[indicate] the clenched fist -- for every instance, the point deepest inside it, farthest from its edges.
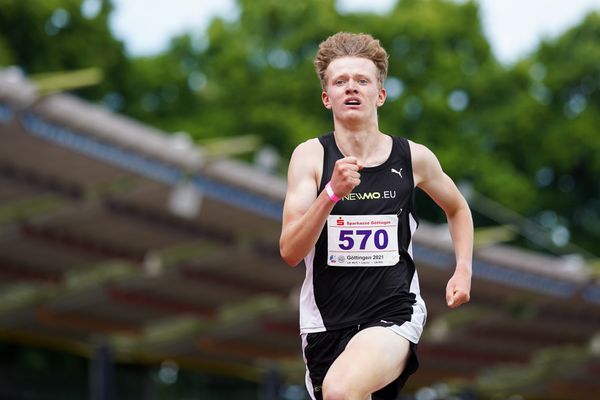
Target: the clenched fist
(458, 290)
(345, 176)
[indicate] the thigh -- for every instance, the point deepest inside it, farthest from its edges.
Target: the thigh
(320, 351)
(373, 358)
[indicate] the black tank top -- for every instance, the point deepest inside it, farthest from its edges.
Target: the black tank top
(338, 297)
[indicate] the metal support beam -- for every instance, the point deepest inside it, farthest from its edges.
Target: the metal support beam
(102, 374)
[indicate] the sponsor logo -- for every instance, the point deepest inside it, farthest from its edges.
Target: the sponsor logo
(386, 194)
(340, 221)
(395, 171)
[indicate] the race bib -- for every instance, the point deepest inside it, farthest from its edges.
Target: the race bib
(362, 240)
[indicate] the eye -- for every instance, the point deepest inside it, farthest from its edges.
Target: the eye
(339, 82)
(363, 81)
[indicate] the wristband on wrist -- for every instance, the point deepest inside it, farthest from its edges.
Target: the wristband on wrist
(332, 196)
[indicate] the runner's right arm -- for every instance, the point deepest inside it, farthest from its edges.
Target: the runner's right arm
(304, 214)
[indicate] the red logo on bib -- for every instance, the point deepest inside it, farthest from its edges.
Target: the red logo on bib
(340, 221)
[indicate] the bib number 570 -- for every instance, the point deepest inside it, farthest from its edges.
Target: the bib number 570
(347, 238)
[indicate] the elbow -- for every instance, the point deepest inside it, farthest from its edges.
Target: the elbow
(291, 262)
(287, 257)
(467, 211)
(460, 209)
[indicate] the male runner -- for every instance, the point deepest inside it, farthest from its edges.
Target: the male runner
(349, 214)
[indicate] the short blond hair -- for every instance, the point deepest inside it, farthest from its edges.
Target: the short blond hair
(345, 44)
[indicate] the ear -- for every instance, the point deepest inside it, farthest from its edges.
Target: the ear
(381, 97)
(325, 100)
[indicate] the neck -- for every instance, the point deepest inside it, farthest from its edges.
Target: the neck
(370, 147)
(356, 128)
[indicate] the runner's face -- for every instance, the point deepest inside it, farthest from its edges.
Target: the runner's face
(352, 89)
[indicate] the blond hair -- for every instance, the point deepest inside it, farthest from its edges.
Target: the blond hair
(345, 44)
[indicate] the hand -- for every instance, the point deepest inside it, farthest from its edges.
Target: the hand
(345, 176)
(458, 289)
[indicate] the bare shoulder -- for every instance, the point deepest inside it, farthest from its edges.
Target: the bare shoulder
(306, 160)
(424, 162)
(420, 153)
(309, 149)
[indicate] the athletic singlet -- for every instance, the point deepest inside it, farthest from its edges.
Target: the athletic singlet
(336, 297)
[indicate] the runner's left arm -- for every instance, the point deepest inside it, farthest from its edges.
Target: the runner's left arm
(430, 177)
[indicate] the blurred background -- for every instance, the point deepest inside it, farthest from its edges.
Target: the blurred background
(142, 179)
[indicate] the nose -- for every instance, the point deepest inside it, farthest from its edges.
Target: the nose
(351, 87)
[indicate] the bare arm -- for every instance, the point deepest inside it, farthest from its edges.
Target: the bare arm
(305, 213)
(430, 177)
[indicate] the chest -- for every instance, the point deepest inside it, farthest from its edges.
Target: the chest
(385, 190)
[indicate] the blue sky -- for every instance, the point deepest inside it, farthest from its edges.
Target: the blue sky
(514, 27)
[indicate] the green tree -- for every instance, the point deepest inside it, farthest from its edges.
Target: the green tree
(545, 124)
(63, 35)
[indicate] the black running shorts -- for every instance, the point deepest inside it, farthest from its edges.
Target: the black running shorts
(322, 348)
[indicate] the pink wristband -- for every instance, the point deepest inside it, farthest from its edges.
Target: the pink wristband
(329, 190)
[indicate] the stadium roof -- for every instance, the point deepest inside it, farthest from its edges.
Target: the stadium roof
(113, 231)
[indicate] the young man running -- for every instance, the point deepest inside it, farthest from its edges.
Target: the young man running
(349, 215)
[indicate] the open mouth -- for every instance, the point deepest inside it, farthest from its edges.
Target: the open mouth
(352, 102)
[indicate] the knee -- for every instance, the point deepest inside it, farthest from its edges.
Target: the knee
(337, 391)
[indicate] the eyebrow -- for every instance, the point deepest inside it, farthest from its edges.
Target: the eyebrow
(345, 75)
